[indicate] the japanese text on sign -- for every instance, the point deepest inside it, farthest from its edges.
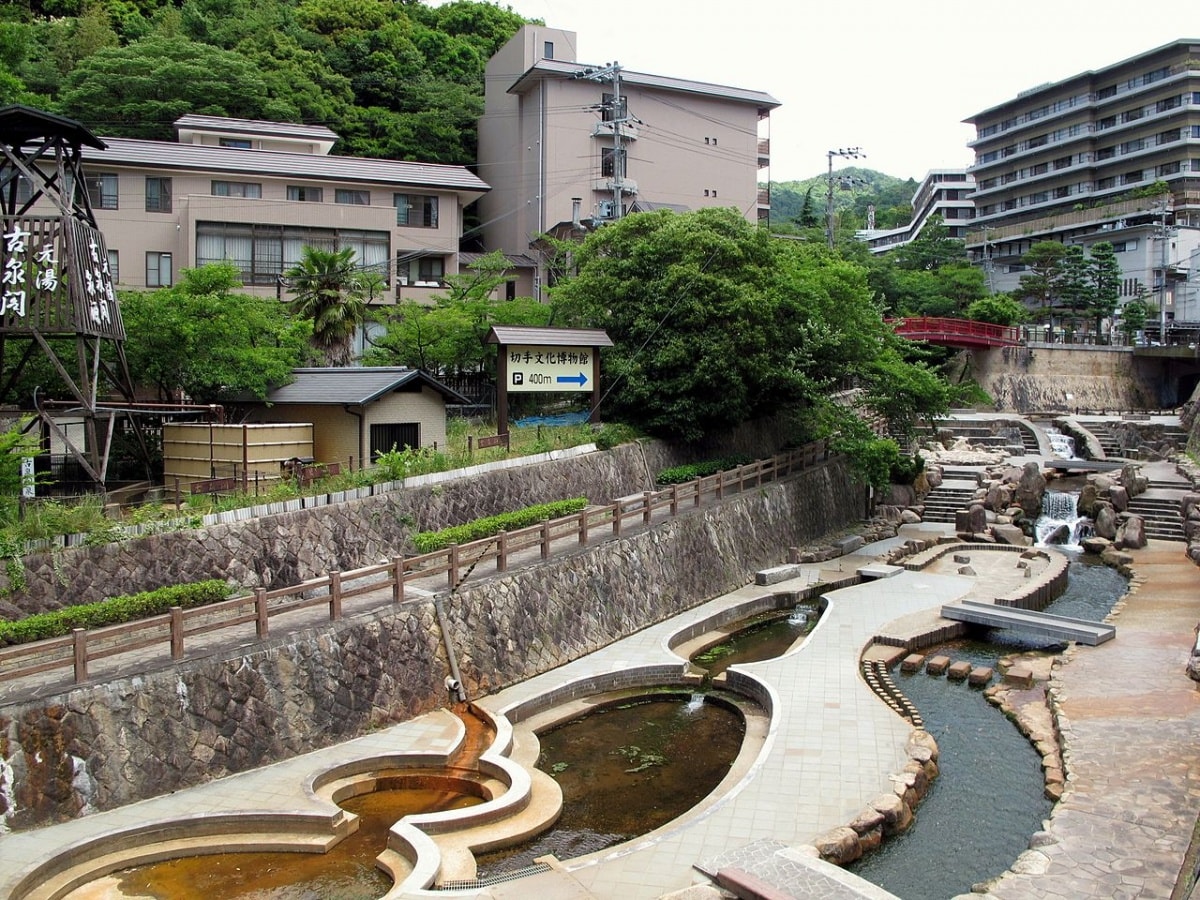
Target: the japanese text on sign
(549, 368)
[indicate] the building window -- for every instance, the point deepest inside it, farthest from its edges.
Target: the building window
(1171, 168)
(235, 143)
(612, 163)
(305, 193)
(1132, 115)
(1063, 162)
(158, 269)
(114, 266)
(1039, 141)
(1105, 92)
(1157, 75)
(1039, 169)
(424, 270)
(263, 252)
(1169, 103)
(158, 194)
(1039, 197)
(1106, 153)
(1124, 246)
(548, 50)
(1132, 177)
(1061, 192)
(102, 190)
(236, 189)
(354, 198)
(390, 436)
(1167, 137)
(1104, 184)
(416, 210)
(1133, 146)
(1106, 122)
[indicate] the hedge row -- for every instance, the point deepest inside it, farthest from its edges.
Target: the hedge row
(428, 541)
(112, 611)
(692, 471)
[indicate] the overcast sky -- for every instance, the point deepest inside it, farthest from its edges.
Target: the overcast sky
(894, 77)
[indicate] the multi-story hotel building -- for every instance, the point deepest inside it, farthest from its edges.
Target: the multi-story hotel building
(1106, 155)
(254, 193)
(564, 143)
(944, 193)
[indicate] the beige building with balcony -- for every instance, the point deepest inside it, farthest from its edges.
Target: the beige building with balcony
(570, 146)
(254, 193)
(1075, 161)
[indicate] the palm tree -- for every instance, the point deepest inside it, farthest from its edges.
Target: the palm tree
(328, 290)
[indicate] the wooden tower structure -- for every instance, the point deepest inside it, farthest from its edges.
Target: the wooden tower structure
(56, 292)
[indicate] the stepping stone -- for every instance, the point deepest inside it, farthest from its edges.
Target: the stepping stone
(912, 663)
(1021, 676)
(938, 665)
(958, 671)
(980, 676)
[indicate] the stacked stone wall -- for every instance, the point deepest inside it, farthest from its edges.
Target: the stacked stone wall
(1063, 379)
(104, 745)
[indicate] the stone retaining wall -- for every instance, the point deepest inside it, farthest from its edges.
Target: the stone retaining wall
(278, 550)
(104, 745)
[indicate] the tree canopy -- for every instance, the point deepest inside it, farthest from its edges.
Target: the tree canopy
(396, 80)
(205, 341)
(715, 323)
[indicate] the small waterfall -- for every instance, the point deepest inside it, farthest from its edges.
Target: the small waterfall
(799, 616)
(694, 704)
(1061, 445)
(1059, 522)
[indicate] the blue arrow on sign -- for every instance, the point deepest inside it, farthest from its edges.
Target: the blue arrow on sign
(579, 379)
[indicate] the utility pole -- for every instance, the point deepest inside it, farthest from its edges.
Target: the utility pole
(1164, 237)
(848, 153)
(618, 117)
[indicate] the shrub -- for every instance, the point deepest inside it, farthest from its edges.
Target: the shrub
(610, 436)
(906, 469)
(113, 611)
(428, 541)
(692, 471)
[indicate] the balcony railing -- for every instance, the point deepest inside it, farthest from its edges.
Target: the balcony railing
(1049, 224)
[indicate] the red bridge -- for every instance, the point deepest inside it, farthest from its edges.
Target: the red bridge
(957, 332)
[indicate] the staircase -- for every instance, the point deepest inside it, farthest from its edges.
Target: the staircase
(1160, 514)
(948, 498)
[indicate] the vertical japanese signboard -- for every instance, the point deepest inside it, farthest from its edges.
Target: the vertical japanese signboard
(46, 287)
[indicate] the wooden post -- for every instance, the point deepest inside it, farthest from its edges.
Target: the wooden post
(647, 507)
(451, 565)
(398, 578)
(583, 527)
(545, 538)
(720, 476)
(261, 625)
(697, 487)
(674, 500)
(176, 632)
(617, 516)
(502, 552)
(80, 653)
(335, 595)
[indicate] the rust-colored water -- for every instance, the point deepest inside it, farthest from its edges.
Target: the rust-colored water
(347, 872)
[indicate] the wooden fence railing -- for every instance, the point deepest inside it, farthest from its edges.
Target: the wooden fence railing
(172, 630)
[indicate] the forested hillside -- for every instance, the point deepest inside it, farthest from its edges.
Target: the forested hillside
(399, 80)
(801, 204)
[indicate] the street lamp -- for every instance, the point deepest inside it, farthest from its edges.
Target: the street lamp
(846, 153)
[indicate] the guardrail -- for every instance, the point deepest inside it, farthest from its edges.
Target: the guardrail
(174, 629)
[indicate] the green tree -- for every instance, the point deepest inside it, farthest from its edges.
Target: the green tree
(1043, 284)
(205, 341)
(1106, 283)
(999, 309)
(447, 338)
(931, 249)
(328, 290)
(1134, 316)
(140, 90)
(1075, 288)
(715, 323)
